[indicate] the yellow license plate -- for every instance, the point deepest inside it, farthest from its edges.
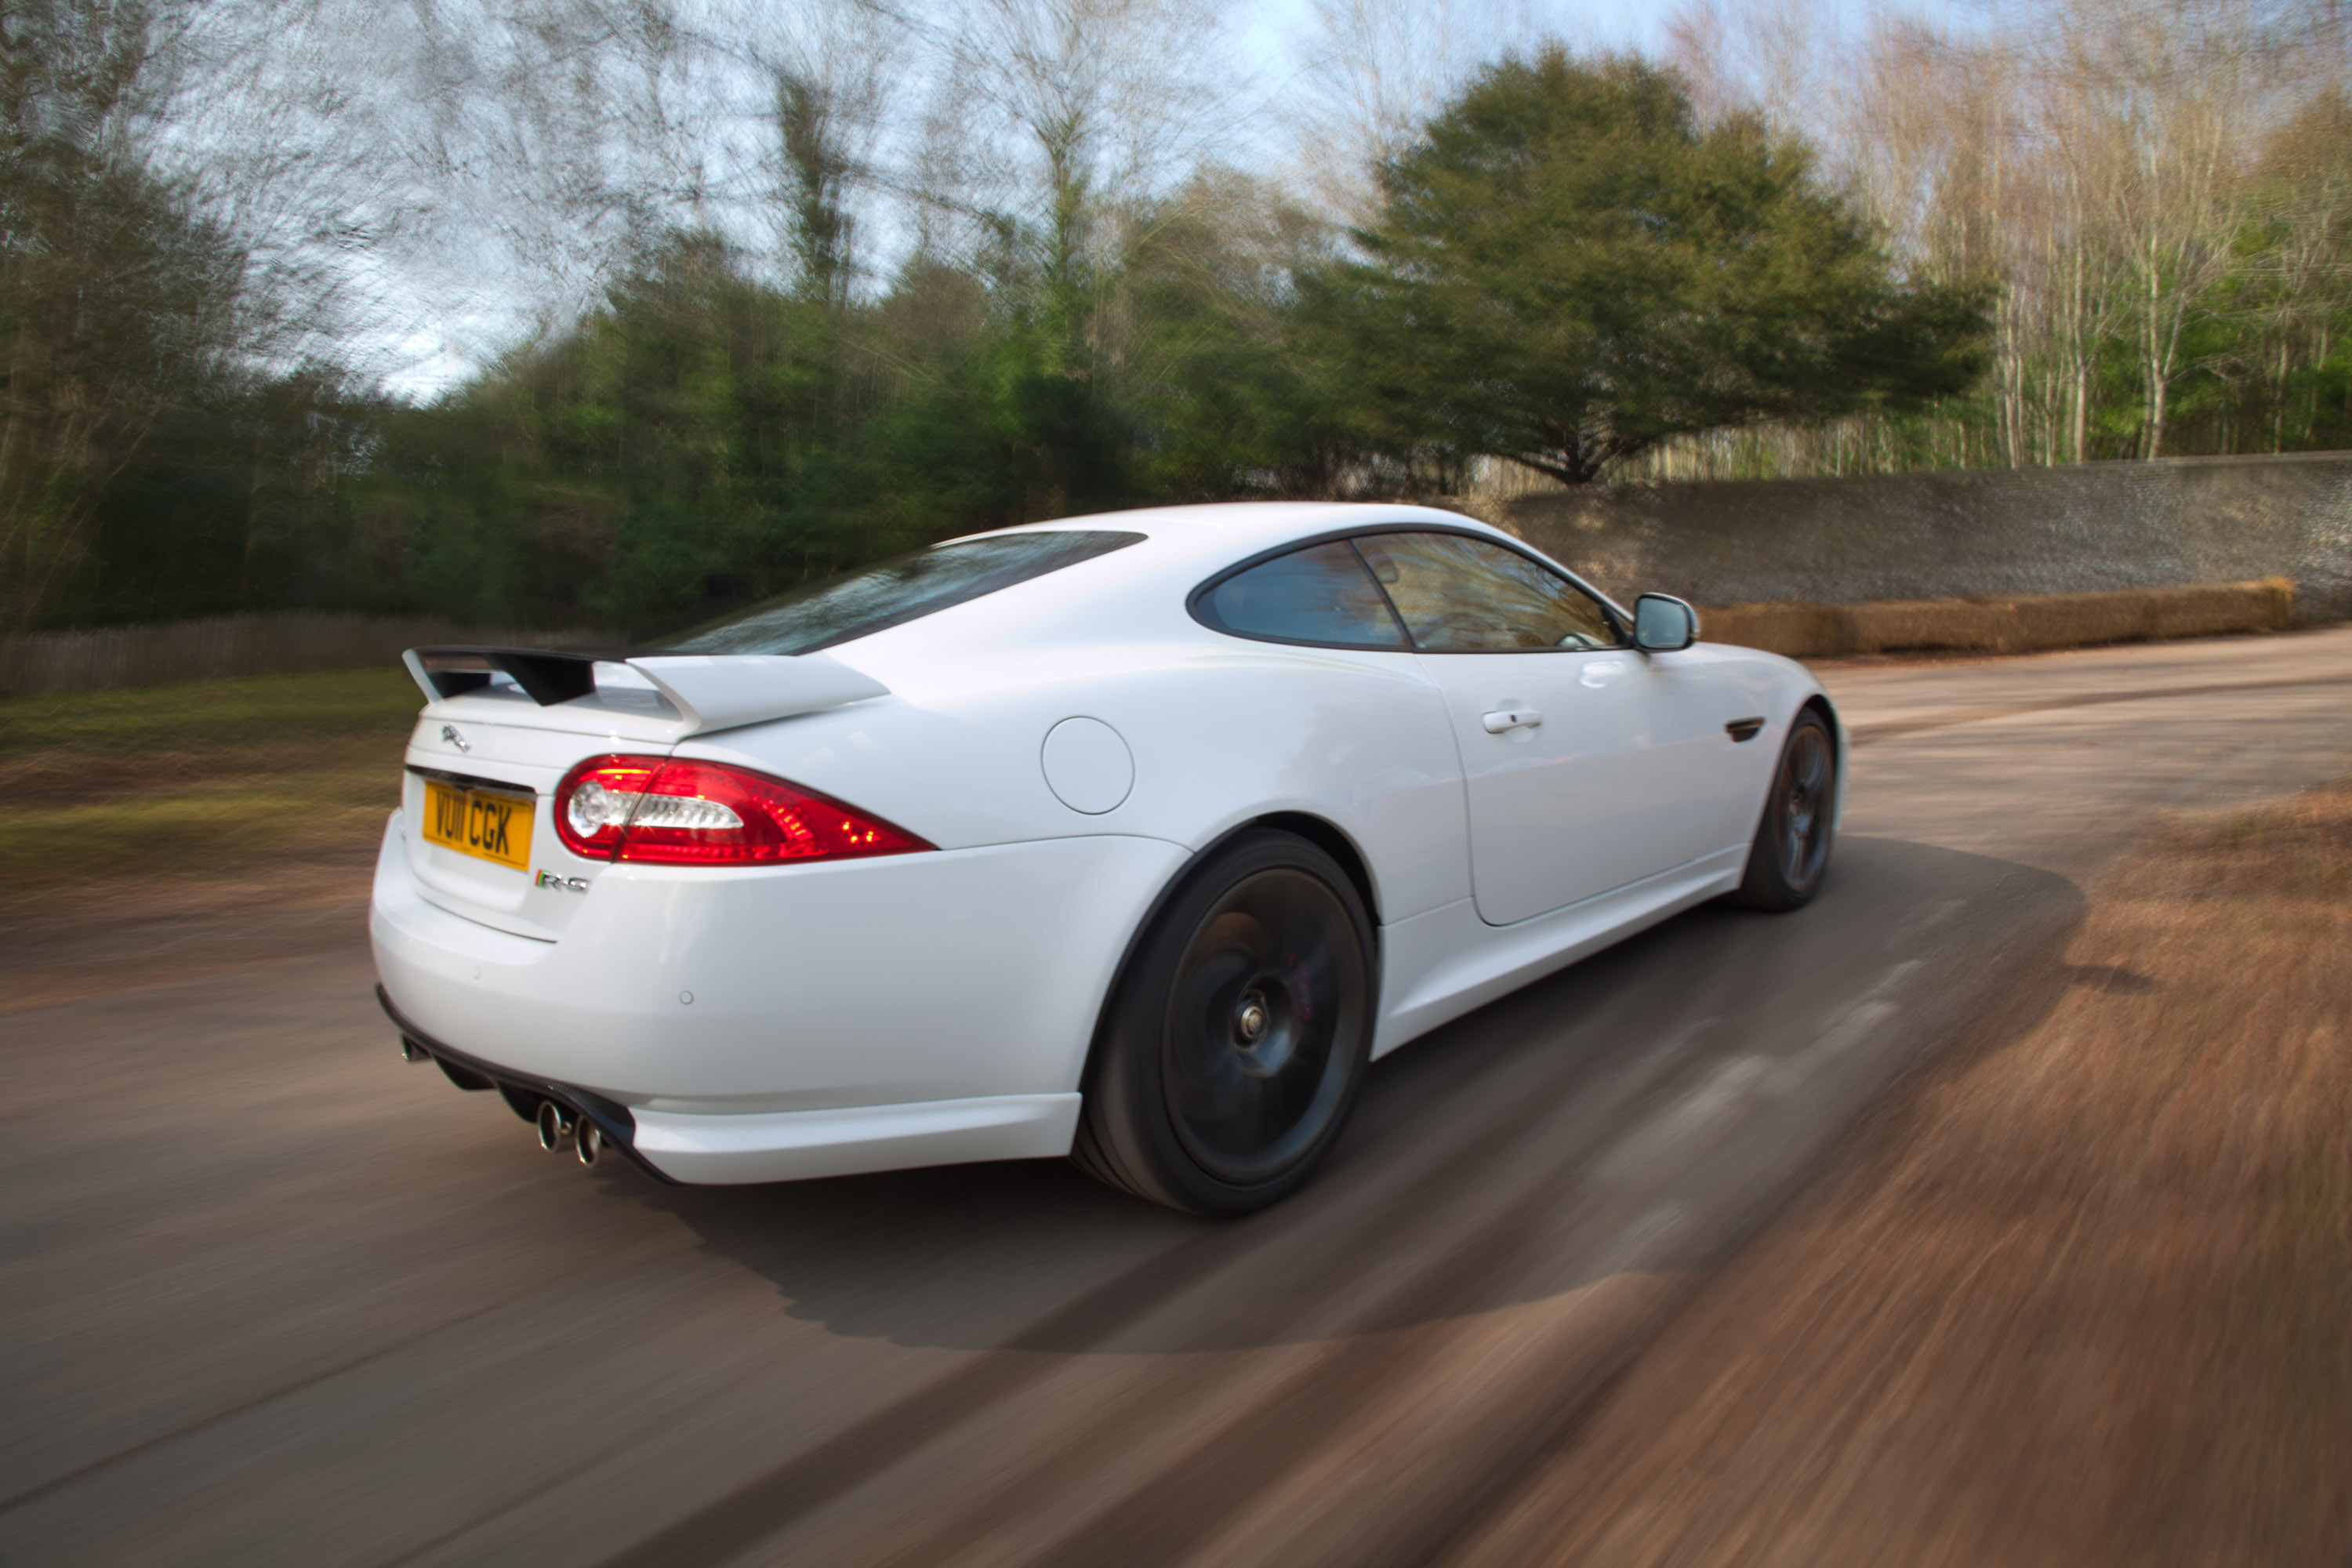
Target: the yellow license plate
(479, 822)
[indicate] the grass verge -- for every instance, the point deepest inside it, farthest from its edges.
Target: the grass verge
(2081, 1301)
(116, 791)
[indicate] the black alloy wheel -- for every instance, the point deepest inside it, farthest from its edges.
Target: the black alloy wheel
(1234, 1048)
(1791, 852)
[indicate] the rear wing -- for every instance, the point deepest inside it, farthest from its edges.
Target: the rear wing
(711, 691)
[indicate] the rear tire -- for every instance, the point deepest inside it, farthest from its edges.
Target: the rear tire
(1235, 1044)
(1791, 852)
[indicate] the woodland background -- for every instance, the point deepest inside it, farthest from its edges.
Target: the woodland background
(623, 312)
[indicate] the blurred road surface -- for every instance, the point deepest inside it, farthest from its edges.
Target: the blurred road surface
(268, 1295)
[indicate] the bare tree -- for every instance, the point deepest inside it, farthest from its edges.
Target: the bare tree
(2098, 158)
(537, 147)
(1373, 71)
(831, 71)
(155, 244)
(819, 170)
(2300, 274)
(1097, 103)
(2173, 93)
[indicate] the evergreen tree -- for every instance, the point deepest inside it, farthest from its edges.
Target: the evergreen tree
(1568, 268)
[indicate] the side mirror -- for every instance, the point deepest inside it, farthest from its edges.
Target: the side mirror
(1662, 624)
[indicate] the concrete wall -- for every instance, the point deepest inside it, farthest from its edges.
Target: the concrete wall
(1963, 533)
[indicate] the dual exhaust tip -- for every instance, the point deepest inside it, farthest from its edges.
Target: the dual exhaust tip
(558, 1126)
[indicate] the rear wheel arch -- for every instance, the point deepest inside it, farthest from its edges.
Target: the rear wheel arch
(1333, 840)
(1098, 1152)
(1324, 834)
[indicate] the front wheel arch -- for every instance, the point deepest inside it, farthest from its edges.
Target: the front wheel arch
(1798, 819)
(1840, 751)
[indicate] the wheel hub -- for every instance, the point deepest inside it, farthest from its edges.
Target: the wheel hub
(1264, 1035)
(1250, 1017)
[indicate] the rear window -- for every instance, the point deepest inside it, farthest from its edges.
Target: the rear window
(1322, 594)
(894, 592)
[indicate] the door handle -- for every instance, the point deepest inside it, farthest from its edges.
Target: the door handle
(1504, 718)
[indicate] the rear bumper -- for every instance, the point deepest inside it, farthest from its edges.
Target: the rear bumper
(793, 1145)
(785, 1146)
(612, 1119)
(864, 1015)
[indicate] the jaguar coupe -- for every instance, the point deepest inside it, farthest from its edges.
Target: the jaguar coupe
(1134, 838)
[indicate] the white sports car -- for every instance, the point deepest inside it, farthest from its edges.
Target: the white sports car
(1133, 837)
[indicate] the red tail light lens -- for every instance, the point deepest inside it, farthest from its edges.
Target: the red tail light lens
(663, 811)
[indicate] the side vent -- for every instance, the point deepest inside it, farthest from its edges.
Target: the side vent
(1744, 729)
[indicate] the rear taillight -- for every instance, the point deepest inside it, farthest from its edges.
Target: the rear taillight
(666, 811)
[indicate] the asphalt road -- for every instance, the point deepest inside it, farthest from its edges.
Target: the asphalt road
(269, 1295)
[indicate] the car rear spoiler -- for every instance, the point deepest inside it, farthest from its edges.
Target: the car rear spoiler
(711, 691)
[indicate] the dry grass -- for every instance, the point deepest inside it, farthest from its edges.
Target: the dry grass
(2086, 1298)
(117, 790)
(159, 832)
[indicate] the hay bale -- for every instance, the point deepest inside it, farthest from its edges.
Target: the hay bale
(1929, 624)
(2021, 623)
(2206, 609)
(2075, 620)
(1799, 631)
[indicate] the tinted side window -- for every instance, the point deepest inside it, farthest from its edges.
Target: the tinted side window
(901, 589)
(1319, 594)
(1465, 596)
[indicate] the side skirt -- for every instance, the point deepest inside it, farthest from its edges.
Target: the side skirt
(1447, 962)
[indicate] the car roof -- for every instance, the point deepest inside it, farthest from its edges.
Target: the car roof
(1126, 594)
(1231, 531)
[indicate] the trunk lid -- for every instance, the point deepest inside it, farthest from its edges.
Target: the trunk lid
(502, 726)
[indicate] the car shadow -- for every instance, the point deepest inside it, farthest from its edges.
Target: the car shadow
(1642, 1110)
